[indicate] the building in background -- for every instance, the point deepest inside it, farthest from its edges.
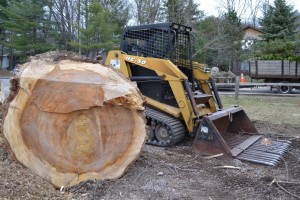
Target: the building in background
(251, 36)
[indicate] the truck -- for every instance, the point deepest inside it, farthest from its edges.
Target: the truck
(277, 71)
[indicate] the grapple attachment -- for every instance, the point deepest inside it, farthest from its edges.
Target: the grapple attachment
(231, 132)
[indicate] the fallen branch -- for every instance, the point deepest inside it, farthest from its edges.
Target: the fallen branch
(226, 167)
(286, 168)
(288, 182)
(174, 172)
(284, 137)
(179, 167)
(274, 180)
(214, 156)
(296, 156)
(182, 169)
(286, 190)
(140, 174)
(285, 182)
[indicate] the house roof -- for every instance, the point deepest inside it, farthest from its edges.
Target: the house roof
(252, 33)
(251, 27)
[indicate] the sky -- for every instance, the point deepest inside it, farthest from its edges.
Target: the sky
(210, 7)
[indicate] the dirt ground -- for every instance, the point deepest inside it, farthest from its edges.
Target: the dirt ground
(177, 172)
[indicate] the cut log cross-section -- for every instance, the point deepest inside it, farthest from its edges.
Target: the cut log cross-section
(71, 121)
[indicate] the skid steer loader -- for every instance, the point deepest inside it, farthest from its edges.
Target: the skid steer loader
(181, 97)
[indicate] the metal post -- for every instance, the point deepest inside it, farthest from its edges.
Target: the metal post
(191, 97)
(216, 94)
(296, 70)
(256, 68)
(237, 87)
(191, 62)
(282, 68)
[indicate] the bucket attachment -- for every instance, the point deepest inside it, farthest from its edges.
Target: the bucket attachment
(231, 132)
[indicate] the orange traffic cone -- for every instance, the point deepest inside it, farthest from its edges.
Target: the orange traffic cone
(242, 78)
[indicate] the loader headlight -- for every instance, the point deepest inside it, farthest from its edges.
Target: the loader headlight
(175, 26)
(188, 29)
(204, 129)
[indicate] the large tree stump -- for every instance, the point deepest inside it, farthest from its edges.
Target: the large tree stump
(71, 121)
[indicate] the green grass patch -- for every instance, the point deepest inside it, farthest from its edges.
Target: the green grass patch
(276, 110)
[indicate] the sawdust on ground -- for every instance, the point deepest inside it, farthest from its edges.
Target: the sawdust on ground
(167, 173)
(171, 173)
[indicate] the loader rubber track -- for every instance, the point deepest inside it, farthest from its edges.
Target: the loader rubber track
(175, 127)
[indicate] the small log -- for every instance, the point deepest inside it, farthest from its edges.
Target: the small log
(70, 120)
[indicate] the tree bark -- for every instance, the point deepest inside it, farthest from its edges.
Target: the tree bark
(70, 120)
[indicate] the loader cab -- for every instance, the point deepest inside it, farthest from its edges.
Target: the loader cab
(168, 41)
(165, 41)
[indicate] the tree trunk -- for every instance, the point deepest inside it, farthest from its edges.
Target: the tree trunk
(69, 120)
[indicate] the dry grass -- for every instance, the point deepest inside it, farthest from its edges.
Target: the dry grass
(275, 110)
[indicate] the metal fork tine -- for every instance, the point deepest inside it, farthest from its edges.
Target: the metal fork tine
(265, 154)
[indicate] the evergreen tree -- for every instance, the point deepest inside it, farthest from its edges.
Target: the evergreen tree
(101, 32)
(147, 11)
(207, 37)
(174, 10)
(232, 37)
(219, 41)
(118, 14)
(279, 21)
(192, 13)
(280, 36)
(3, 4)
(25, 27)
(183, 12)
(3, 18)
(279, 50)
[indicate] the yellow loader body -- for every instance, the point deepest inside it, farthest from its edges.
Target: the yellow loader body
(181, 98)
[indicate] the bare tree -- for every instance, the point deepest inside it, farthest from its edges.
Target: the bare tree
(64, 14)
(239, 6)
(147, 11)
(255, 6)
(247, 10)
(192, 13)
